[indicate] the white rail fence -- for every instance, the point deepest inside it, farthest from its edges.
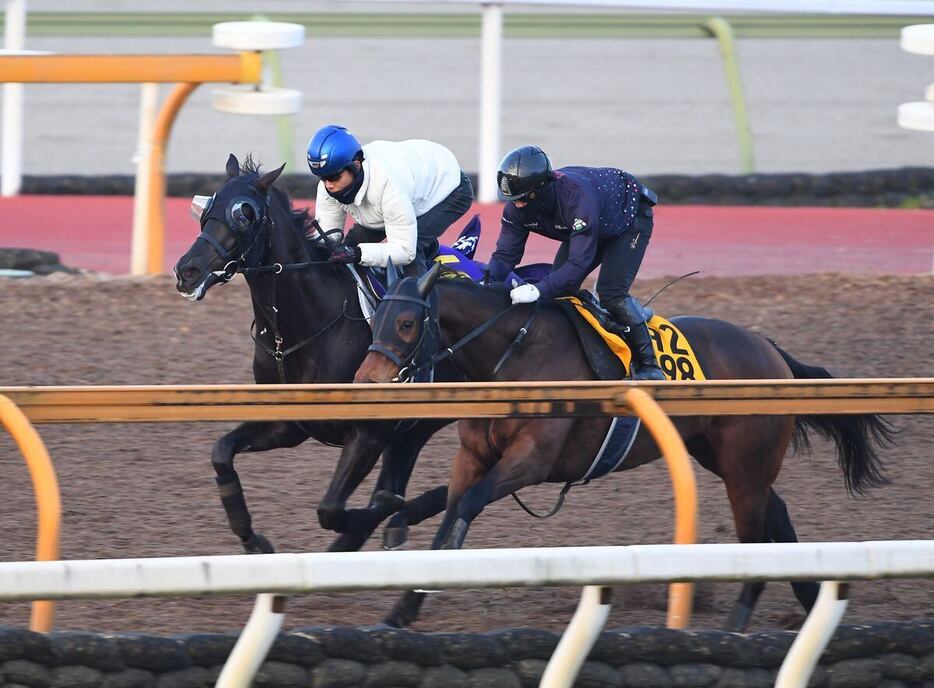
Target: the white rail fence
(491, 50)
(274, 575)
(492, 37)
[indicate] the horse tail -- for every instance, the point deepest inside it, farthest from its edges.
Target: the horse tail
(857, 436)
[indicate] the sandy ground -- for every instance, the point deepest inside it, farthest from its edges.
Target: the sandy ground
(148, 490)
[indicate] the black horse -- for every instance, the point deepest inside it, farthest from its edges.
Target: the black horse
(309, 328)
(499, 457)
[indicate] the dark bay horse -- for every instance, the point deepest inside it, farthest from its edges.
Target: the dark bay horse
(499, 457)
(309, 328)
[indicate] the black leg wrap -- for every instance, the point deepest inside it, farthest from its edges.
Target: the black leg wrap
(427, 505)
(235, 506)
(405, 610)
(360, 521)
(348, 542)
(738, 619)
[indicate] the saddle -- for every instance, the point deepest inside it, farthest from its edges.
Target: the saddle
(609, 355)
(457, 259)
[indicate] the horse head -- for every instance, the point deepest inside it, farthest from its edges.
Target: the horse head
(235, 223)
(399, 327)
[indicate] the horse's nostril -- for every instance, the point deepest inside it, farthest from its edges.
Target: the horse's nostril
(188, 274)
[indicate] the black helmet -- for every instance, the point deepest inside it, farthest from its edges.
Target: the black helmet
(524, 169)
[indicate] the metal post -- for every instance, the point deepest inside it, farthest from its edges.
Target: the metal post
(490, 70)
(814, 635)
(581, 634)
(723, 32)
(254, 643)
(149, 95)
(12, 139)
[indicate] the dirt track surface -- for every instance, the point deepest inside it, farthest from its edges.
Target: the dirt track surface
(148, 490)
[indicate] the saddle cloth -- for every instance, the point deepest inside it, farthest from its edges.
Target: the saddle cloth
(609, 355)
(610, 359)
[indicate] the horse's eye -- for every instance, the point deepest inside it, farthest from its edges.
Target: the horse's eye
(243, 214)
(406, 325)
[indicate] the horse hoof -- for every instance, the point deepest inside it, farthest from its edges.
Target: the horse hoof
(395, 537)
(392, 622)
(388, 500)
(738, 619)
(258, 544)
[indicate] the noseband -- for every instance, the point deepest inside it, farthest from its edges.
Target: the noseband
(408, 370)
(232, 266)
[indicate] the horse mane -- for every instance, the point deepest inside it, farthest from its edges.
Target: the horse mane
(282, 212)
(497, 294)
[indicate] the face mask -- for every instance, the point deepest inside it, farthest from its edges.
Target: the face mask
(347, 194)
(542, 203)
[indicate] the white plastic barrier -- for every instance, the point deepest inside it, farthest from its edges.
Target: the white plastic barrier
(533, 567)
(918, 39)
(525, 567)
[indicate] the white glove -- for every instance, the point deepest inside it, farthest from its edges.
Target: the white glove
(524, 293)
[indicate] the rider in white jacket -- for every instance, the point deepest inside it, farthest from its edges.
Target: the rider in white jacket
(408, 192)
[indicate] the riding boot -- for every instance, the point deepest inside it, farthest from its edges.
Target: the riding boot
(643, 355)
(629, 313)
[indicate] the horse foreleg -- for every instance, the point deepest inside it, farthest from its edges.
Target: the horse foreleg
(779, 529)
(398, 463)
(414, 512)
(407, 607)
(527, 460)
(398, 460)
(247, 437)
(466, 470)
(360, 453)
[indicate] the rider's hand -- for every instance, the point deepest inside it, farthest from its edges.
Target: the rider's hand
(524, 293)
(345, 253)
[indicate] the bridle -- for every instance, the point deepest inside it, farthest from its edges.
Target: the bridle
(261, 225)
(242, 226)
(409, 369)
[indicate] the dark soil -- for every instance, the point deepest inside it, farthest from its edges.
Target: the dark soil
(148, 489)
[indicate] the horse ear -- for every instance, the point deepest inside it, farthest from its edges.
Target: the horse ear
(390, 274)
(427, 281)
(269, 179)
(233, 167)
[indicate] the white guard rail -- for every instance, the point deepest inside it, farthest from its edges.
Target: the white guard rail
(531, 567)
(520, 567)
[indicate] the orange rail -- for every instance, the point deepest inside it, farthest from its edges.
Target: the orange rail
(244, 67)
(156, 197)
(48, 500)
(680, 595)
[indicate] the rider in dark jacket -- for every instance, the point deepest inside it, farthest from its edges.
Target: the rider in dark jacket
(601, 215)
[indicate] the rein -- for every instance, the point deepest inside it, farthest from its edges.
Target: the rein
(277, 268)
(555, 509)
(278, 354)
(267, 226)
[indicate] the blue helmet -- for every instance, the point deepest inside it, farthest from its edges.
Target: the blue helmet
(331, 149)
